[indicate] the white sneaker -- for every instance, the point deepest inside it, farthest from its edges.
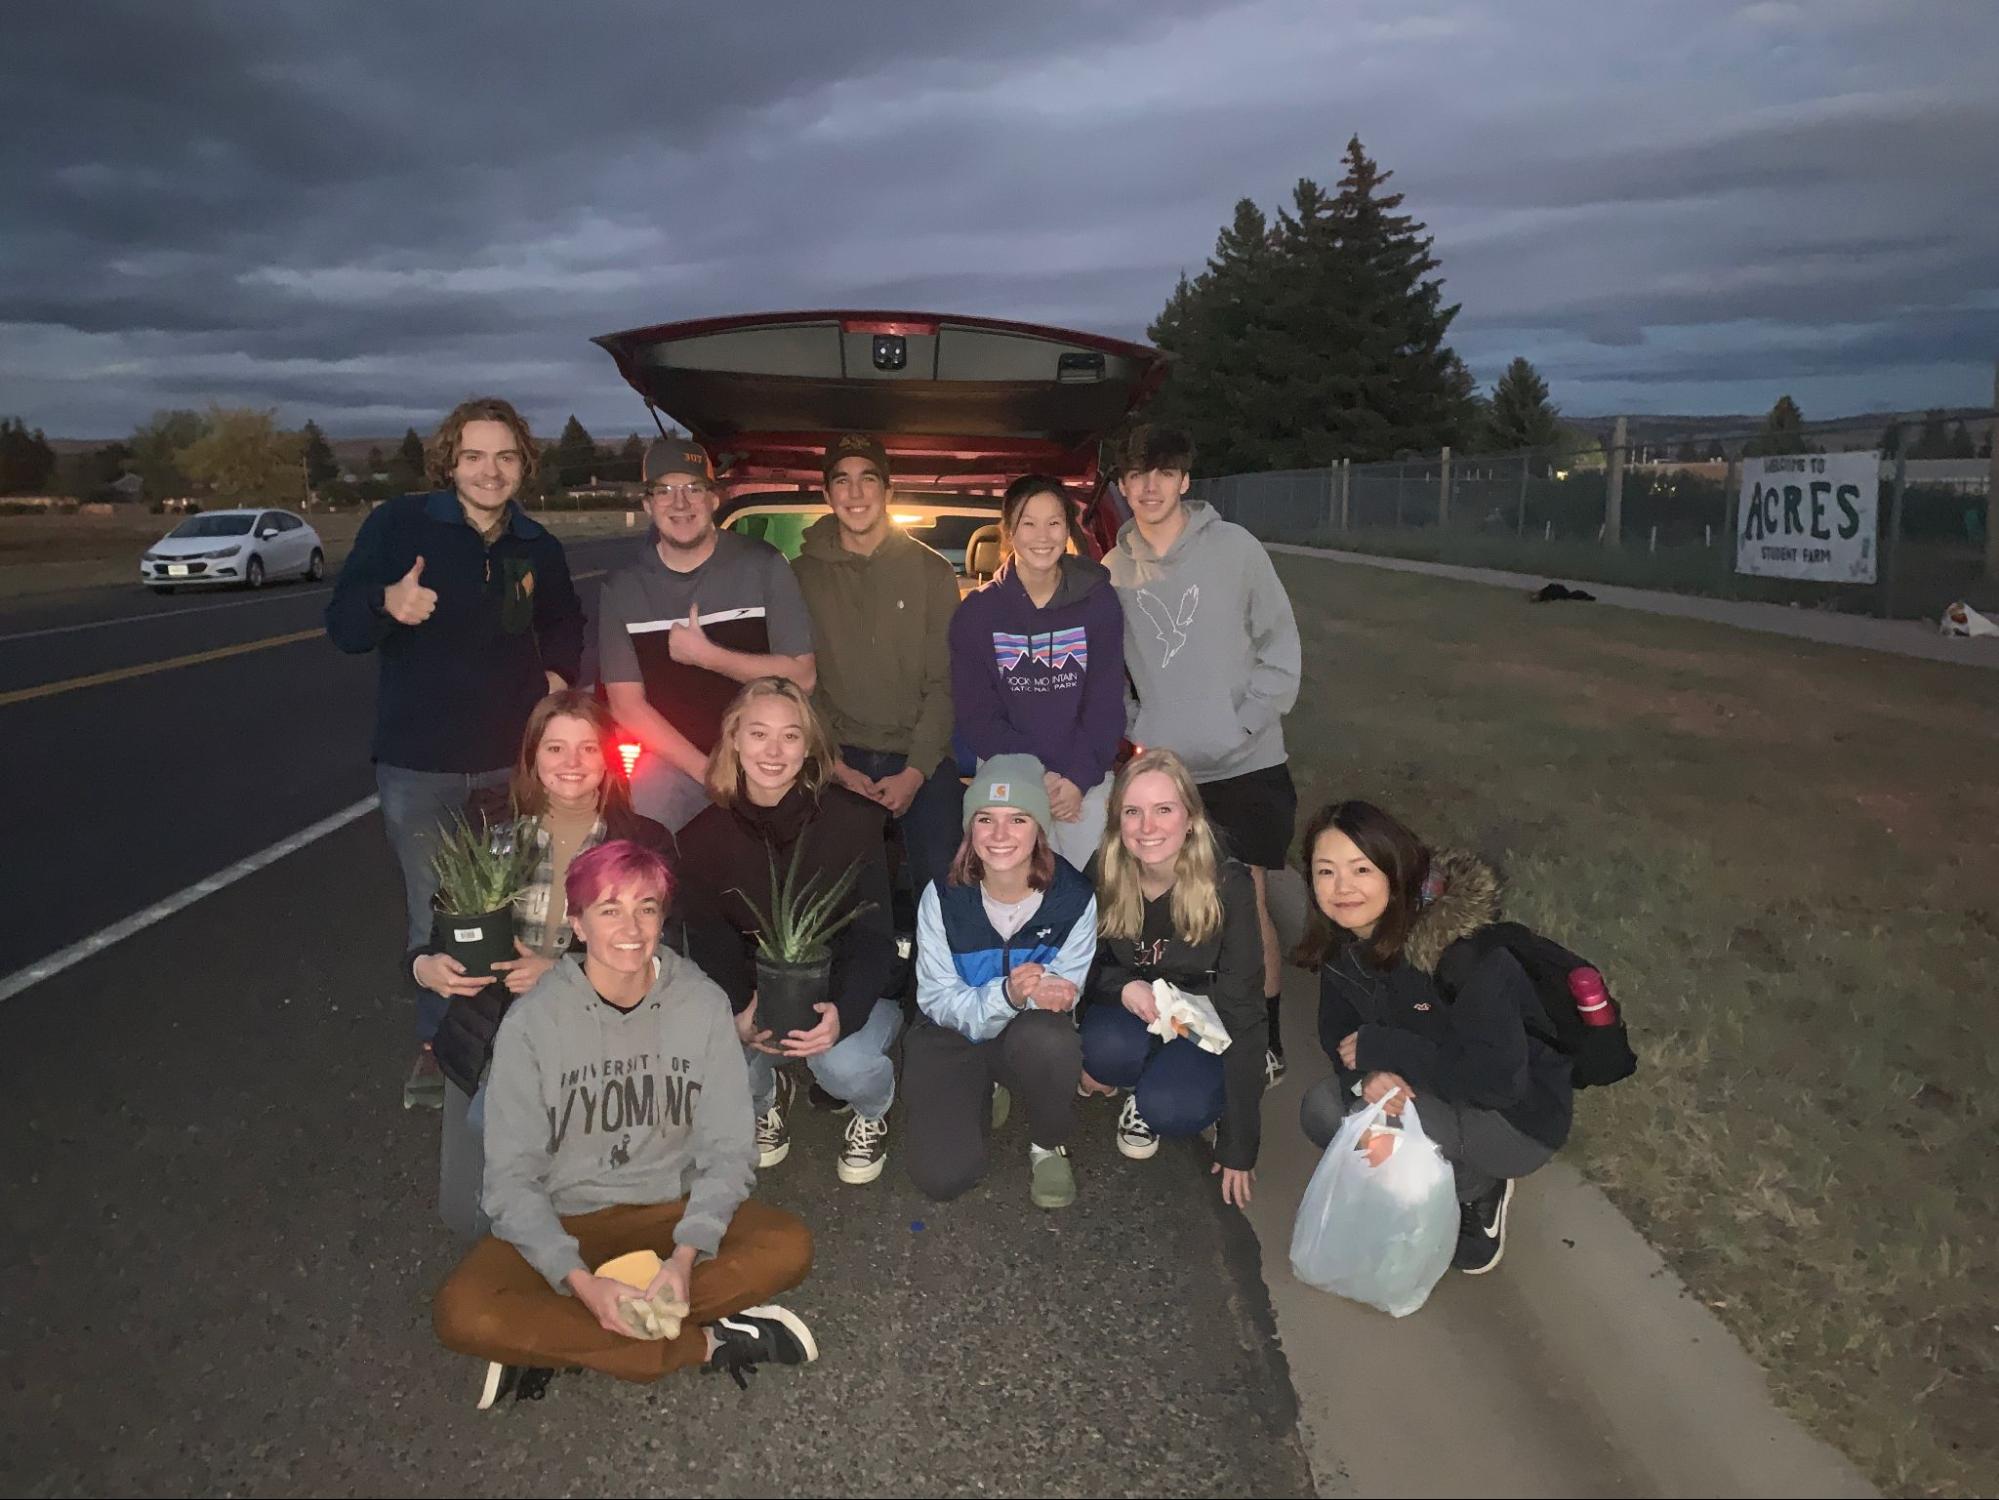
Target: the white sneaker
(866, 1150)
(1135, 1138)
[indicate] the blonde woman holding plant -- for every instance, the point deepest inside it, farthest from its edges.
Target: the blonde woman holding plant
(775, 803)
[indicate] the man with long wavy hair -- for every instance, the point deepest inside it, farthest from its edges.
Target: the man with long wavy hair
(470, 605)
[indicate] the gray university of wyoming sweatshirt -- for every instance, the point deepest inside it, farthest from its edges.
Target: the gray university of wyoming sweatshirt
(1210, 643)
(588, 1106)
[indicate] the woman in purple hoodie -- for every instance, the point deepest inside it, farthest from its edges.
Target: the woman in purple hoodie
(1037, 661)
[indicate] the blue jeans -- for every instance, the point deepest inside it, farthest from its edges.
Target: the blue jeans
(665, 793)
(1177, 1085)
(415, 806)
(856, 1069)
(934, 826)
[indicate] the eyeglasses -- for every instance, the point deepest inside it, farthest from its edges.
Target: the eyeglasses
(676, 491)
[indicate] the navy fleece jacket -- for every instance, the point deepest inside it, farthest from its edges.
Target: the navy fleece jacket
(455, 692)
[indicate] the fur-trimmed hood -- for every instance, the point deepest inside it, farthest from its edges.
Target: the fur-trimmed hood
(1461, 895)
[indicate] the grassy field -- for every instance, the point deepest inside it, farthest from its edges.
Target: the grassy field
(48, 554)
(1784, 857)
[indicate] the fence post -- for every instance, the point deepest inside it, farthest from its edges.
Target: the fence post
(1886, 561)
(1992, 483)
(1731, 480)
(1613, 488)
(1444, 490)
(1346, 493)
(1520, 517)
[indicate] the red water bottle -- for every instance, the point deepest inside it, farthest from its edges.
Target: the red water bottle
(1592, 999)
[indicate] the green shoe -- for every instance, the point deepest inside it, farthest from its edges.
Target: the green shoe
(1053, 1183)
(424, 1088)
(1002, 1105)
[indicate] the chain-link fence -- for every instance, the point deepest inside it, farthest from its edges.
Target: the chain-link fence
(1660, 509)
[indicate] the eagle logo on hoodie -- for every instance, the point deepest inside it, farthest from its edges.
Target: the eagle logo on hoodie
(1171, 625)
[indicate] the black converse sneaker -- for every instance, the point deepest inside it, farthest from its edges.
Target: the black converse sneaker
(758, 1336)
(521, 1382)
(1135, 1138)
(773, 1136)
(865, 1151)
(1482, 1230)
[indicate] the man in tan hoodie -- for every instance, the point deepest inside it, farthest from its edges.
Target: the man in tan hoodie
(881, 606)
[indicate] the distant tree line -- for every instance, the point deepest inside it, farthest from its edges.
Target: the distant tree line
(231, 455)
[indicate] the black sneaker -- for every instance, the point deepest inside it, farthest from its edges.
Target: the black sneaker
(757, 1336)
(1482, 1230)
(522, 1382)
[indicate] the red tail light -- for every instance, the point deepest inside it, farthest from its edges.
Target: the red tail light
(628, 753)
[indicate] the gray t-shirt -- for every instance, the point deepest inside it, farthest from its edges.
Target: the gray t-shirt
(749, 602)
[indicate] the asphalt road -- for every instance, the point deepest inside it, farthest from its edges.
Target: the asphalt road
(223, 1243)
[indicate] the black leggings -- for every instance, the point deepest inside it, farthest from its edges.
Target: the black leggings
(947, 1085)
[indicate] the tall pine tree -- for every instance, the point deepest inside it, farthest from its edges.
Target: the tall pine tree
(575, 454)
(1320, 338)
(321, 467)
(1783, 432)
(1521, 416)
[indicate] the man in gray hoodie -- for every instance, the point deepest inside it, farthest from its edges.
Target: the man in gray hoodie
(618, 1121)
(1211, 647)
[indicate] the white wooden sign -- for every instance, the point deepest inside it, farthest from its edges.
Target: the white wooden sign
(1809, 515)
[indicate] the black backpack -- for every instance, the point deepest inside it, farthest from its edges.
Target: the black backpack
(1600, 1054)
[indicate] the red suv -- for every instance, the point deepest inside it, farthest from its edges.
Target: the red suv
(963, 406)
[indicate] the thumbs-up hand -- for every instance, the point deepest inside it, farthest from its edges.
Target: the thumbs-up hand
(406, 600)
(688, 642)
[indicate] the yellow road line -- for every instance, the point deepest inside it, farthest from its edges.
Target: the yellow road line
(144, 669)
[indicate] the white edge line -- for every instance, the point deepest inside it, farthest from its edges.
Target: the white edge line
(117, 932)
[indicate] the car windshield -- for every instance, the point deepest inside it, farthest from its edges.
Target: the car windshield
(196, 526)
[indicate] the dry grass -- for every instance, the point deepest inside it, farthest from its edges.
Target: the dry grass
(1784, 856)
(48, 554)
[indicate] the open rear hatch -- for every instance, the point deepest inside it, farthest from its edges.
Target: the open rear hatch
(958, 402)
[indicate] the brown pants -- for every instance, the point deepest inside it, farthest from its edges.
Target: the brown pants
(496, 1306)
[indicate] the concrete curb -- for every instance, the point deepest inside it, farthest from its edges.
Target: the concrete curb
(1897, 637)
(1581, 1366)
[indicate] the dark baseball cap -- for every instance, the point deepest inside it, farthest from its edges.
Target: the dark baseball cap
(676, 456)
(856, 445)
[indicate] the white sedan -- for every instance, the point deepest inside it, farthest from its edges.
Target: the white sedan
(234, 546)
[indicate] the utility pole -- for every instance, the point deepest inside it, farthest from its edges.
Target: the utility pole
(1444, 489)
(1613, 488)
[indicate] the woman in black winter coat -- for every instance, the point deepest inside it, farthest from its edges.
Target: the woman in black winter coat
(1493, 1094)
(770, 778)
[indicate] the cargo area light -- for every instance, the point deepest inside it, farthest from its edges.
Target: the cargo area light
(628, 753)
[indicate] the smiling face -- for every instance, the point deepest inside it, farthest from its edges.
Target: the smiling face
(1154, 494)
(1003, 838)
(859, 497)
(1040, 532)
(770, 745)
(621, 930)
(1153, 821)
(1348, 886)
(569, 762)
(682, 507)
(489, 467)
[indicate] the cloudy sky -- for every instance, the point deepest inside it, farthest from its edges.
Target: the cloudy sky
(361, 212)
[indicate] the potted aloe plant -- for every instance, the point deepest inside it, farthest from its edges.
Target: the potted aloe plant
(795, 945)
(478, 876)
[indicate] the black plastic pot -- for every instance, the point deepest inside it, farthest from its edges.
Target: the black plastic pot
(786, 994)
(476, 942)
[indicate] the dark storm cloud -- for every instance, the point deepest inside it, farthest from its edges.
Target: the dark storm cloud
(361, 212)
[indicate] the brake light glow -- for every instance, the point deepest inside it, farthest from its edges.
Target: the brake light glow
(907, 518)
(628, 752)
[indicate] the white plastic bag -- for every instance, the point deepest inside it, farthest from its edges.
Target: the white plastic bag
(1380, 1235)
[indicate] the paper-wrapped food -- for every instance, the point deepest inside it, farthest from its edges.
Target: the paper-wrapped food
(1190, 1016)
